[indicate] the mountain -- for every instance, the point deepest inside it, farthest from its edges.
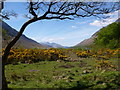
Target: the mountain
(8, 33)
(90, 41)
(52, 45)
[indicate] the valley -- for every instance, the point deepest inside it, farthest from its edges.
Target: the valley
(49, 65)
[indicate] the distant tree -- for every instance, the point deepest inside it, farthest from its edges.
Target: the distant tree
(57, 10)
(109, 36)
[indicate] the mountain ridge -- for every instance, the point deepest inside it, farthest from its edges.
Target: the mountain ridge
(23, 42)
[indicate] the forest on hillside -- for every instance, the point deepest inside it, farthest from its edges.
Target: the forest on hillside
(109, 37)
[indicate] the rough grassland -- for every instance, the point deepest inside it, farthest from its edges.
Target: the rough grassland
(60, 74)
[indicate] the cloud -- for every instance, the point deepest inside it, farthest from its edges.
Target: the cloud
(74, 27)
(104, 22)
(48, 39)
(112, 14)
(101, 23)
(81, 22)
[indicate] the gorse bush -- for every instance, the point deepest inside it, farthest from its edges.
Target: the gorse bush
(84, 54)
(103, 54)
(104, 65)
(36, 55)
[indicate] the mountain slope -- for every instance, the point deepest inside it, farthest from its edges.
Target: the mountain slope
(90, 41)
(8, 33)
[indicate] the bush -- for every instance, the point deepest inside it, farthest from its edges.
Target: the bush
(34, 55)
(104, 65)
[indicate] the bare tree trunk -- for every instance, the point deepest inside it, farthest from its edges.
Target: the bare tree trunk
(7, 50)
(4, 81)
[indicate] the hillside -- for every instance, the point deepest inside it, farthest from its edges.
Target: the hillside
(8, 33)
(90, 41)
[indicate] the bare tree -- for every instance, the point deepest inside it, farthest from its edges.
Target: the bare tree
(58, 10)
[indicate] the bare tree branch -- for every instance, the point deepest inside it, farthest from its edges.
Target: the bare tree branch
(69, 10)
(7, 14)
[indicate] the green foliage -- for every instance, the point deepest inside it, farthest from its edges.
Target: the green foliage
(109, 36)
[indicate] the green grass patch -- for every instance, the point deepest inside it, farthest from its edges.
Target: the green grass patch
(68, 75)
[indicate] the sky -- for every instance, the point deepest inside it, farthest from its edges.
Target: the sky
(64, 32)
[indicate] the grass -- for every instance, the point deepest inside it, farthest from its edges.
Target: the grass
(54, 74)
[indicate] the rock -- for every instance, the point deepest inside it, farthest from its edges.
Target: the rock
(86, 71)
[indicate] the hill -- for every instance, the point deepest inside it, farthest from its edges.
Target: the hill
(8, 33)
